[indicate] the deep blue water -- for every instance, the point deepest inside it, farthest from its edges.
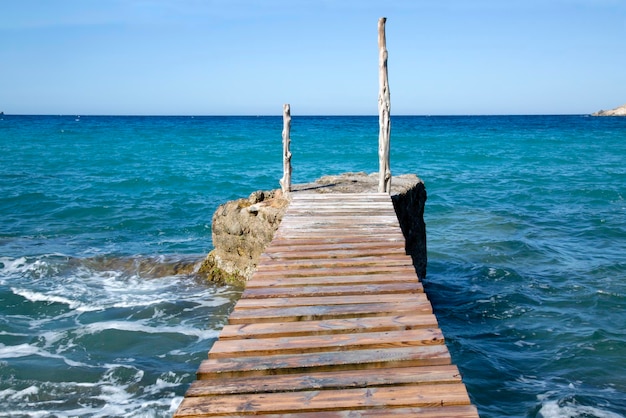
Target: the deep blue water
(526, 225)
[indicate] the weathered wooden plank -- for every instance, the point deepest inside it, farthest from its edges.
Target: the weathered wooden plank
(364, 196)
(312, 313)
(309, 250)
(353, 213)
(343, 215)
(338, 200)
(320, 254)
(280, 244)
(337, 243)
(382, 233)
(409, 376)
(360, 228)
(337, 263)
(276, 250)
(323, 343)
(330, 326)
(430, 355)
(353, 210)
(355, 224)
(320, 199)
(359, 211)
(304, 301)
(282, 280)
(329, 240)
(364, 201)
(365, 259)
(344, 271)
(308, 222)
(337, 218)
(347, 242)
(319, 291)
(312, 401)
(463, 411)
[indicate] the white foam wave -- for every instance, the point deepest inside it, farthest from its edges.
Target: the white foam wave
(38, 414)
(25, 350)
(12, 265)
(142, 326)
(556, 409)
(145, 409)
(114, 394)
(17, 351)
(13, 334)
(41, 266)
(14, 395)
(89, 291)
(33, 296)
(174, 305)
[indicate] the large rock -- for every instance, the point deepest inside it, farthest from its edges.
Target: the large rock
(243, 228)
(618, 111)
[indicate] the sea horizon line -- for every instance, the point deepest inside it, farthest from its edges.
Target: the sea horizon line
(79, 115)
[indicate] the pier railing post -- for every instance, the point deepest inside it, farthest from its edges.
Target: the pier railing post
(285, 182)
(384, 106)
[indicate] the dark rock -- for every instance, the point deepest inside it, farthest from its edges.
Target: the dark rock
(409, 207)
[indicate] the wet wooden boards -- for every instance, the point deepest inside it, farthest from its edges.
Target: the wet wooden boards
(334, 323)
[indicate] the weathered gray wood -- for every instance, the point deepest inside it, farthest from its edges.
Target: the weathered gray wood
(277, 281)
(334, 323)
(349, 379)
(441, 395)
(463, 411)
(319, 291)
(285, 182)
(344, 271)
(330, 326)
(383, 261)
(347, 240)
(229, 349)
(288, 302)
(429, 355)
(314, 313)
(384, 107)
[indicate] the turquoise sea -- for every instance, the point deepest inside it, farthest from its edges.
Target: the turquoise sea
(526, 226)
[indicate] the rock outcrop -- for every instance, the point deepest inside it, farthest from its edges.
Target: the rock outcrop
(618, 111)
(244, 227)
(241, 230)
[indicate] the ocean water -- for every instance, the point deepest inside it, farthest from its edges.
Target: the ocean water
(102, 217)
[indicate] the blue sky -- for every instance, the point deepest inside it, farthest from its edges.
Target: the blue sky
(248, 57)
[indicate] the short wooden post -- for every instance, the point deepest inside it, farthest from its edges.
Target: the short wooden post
(285, 182)
(384, 106)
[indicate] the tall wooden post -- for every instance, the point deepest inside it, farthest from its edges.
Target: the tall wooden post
(384, 106)
(285, 182)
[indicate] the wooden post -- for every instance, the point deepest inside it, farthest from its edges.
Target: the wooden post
(285, 182)
(384, 106)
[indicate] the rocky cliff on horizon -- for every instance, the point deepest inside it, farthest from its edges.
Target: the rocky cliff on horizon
(618, 111)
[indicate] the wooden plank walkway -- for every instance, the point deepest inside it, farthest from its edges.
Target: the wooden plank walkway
(334, 323)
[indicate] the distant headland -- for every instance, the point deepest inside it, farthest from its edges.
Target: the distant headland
(618, 111)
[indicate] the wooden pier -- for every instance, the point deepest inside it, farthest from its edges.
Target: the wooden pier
(334, 323)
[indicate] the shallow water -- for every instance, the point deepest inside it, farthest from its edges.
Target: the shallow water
(526, 239)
